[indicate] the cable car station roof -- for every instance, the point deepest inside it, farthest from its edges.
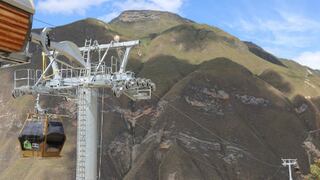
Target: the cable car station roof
(26, 5)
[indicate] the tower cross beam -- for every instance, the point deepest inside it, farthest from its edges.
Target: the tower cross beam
(289, 163)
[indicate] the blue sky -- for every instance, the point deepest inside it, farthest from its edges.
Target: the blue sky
(286, 28)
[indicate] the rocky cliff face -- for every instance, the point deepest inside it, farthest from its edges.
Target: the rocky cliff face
(219, 112)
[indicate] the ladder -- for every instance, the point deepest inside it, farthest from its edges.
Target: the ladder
(86, 53)
(82, 124)
(114, 64)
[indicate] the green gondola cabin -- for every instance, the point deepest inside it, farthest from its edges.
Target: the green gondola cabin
(41, 136)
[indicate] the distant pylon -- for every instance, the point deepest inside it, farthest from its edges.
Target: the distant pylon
(289, 163)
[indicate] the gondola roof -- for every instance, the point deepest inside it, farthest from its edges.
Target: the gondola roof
(32, 128)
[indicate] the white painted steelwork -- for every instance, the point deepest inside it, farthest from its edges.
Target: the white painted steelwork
(81, 77)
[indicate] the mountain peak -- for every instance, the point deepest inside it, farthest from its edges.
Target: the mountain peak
(131, 16)
(141, 23)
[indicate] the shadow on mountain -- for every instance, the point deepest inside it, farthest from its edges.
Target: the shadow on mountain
(276, 80)
(165, 71)
(258, 51)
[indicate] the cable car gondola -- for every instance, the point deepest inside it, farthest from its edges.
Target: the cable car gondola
(41, 136)
(15, 28)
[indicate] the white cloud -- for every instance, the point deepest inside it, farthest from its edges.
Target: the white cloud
(290, 23)
(286, 30)
(311, 59)
(67, 6)
(286, 22)
(290, 39)
(164, 5)
(71, 7)
(161, 5)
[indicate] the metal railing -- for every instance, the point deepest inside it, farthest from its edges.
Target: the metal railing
(69, 73)
(139, 93)
(26, 77)
(82, 72)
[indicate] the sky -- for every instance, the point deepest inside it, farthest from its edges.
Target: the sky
(287, 28)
